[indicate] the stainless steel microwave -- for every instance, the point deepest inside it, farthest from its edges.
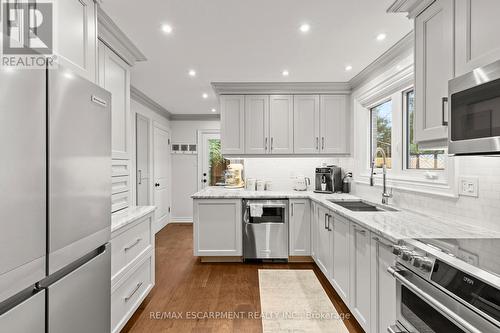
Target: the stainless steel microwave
(474, 112)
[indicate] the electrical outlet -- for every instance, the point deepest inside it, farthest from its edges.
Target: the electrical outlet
(468, 186)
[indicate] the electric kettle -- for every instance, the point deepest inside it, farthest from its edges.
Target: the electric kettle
(300, 183)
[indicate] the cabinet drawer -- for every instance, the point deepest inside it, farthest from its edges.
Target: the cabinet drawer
(120, 184)
(120, 168)
(127, 246)
(129, 295)
(119, 201)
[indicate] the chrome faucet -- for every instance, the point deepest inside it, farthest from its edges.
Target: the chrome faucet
(385, 195)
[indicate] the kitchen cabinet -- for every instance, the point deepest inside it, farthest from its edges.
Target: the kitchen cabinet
(281, 124)
(324, 253)
(217, 227)
(300, 227)
(256, 124)
(340, 230)
(306, 122)
(314, 230)
(75, 26)
(383, 285)
(477, 25)
(360, 259)
(434, 66)
(114, 76)
(232, 108)
(334, 124)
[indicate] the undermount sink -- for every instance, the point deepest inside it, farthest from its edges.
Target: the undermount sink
(362, 206)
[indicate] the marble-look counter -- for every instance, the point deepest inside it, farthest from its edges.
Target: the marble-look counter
(393, 225)
(129, 215)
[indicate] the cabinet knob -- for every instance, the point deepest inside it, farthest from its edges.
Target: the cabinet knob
(204, 180)
(157, 184)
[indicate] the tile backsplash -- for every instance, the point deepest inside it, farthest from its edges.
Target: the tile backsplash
(282, 170)
(483, 210)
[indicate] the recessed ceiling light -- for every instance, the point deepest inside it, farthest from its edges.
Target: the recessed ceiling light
(192, 73)
(381, 37)
(213, 110)
(305, 27)
(348, 68)
(166, 28)
(285, 73)
(205, 95)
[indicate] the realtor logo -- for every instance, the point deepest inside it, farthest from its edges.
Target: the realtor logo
(27, 33)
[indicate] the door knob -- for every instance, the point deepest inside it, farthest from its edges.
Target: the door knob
(157, 184)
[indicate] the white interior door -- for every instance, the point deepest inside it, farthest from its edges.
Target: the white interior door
(143, 179)
(210, 161)
(160, 166)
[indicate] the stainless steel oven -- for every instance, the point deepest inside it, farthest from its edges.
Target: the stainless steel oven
(474, 112)
(433, 295)
(265, 229)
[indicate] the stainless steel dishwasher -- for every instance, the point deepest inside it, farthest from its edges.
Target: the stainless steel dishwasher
(265, 236)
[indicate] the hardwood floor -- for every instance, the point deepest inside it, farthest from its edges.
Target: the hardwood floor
(185, 286)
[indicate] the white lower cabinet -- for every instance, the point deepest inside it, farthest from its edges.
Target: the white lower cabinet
(360, 275)
(132, 267)
(383, 286)
(300, 227)
(341, 259)
(324, 255)
(355, 262)
(217, 227)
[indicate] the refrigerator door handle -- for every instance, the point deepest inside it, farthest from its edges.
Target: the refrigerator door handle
(99, 101)
(137, 287)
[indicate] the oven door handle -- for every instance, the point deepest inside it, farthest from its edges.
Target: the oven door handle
(431, 300)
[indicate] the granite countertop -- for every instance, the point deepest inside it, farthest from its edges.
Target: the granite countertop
(129, 215)
(393, 225)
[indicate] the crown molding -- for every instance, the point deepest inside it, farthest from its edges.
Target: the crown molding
(111, 35)
(142, 98)
(193, 117)
(399, 51)
(411, 7)
(254, 88)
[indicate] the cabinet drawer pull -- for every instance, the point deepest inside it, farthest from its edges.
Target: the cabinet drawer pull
(323, 143)
(133, 292)
(317, 143)
(292, 209)
(379, 241)
(272, 142)
(326, 216)
(132, 245)
(444, 101)
(360, 231)
(329, 216)
(265, 148)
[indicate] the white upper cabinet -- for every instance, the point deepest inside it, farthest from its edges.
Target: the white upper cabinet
(300, 227)
(75, 24)
(256, 124)
(114, 76)
(434, 66)
(477, 26)
(334, 124)
(281, 124)
(306, 123)
(232, 108)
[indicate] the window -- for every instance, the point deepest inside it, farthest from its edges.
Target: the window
(415, 157)
(381, 132)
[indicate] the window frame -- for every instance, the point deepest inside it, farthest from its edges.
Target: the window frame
(370, 110)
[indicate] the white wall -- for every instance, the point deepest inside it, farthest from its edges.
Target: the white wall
(185, 167)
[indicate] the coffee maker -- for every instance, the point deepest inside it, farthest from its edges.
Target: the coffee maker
(328, 179)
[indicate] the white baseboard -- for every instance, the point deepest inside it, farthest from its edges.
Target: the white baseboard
(181, 220)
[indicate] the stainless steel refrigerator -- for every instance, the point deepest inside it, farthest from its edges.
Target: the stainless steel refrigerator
(55, 190)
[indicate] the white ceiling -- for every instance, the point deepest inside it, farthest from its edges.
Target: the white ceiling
(249, 41)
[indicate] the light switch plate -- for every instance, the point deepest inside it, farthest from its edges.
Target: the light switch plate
(468, 186)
